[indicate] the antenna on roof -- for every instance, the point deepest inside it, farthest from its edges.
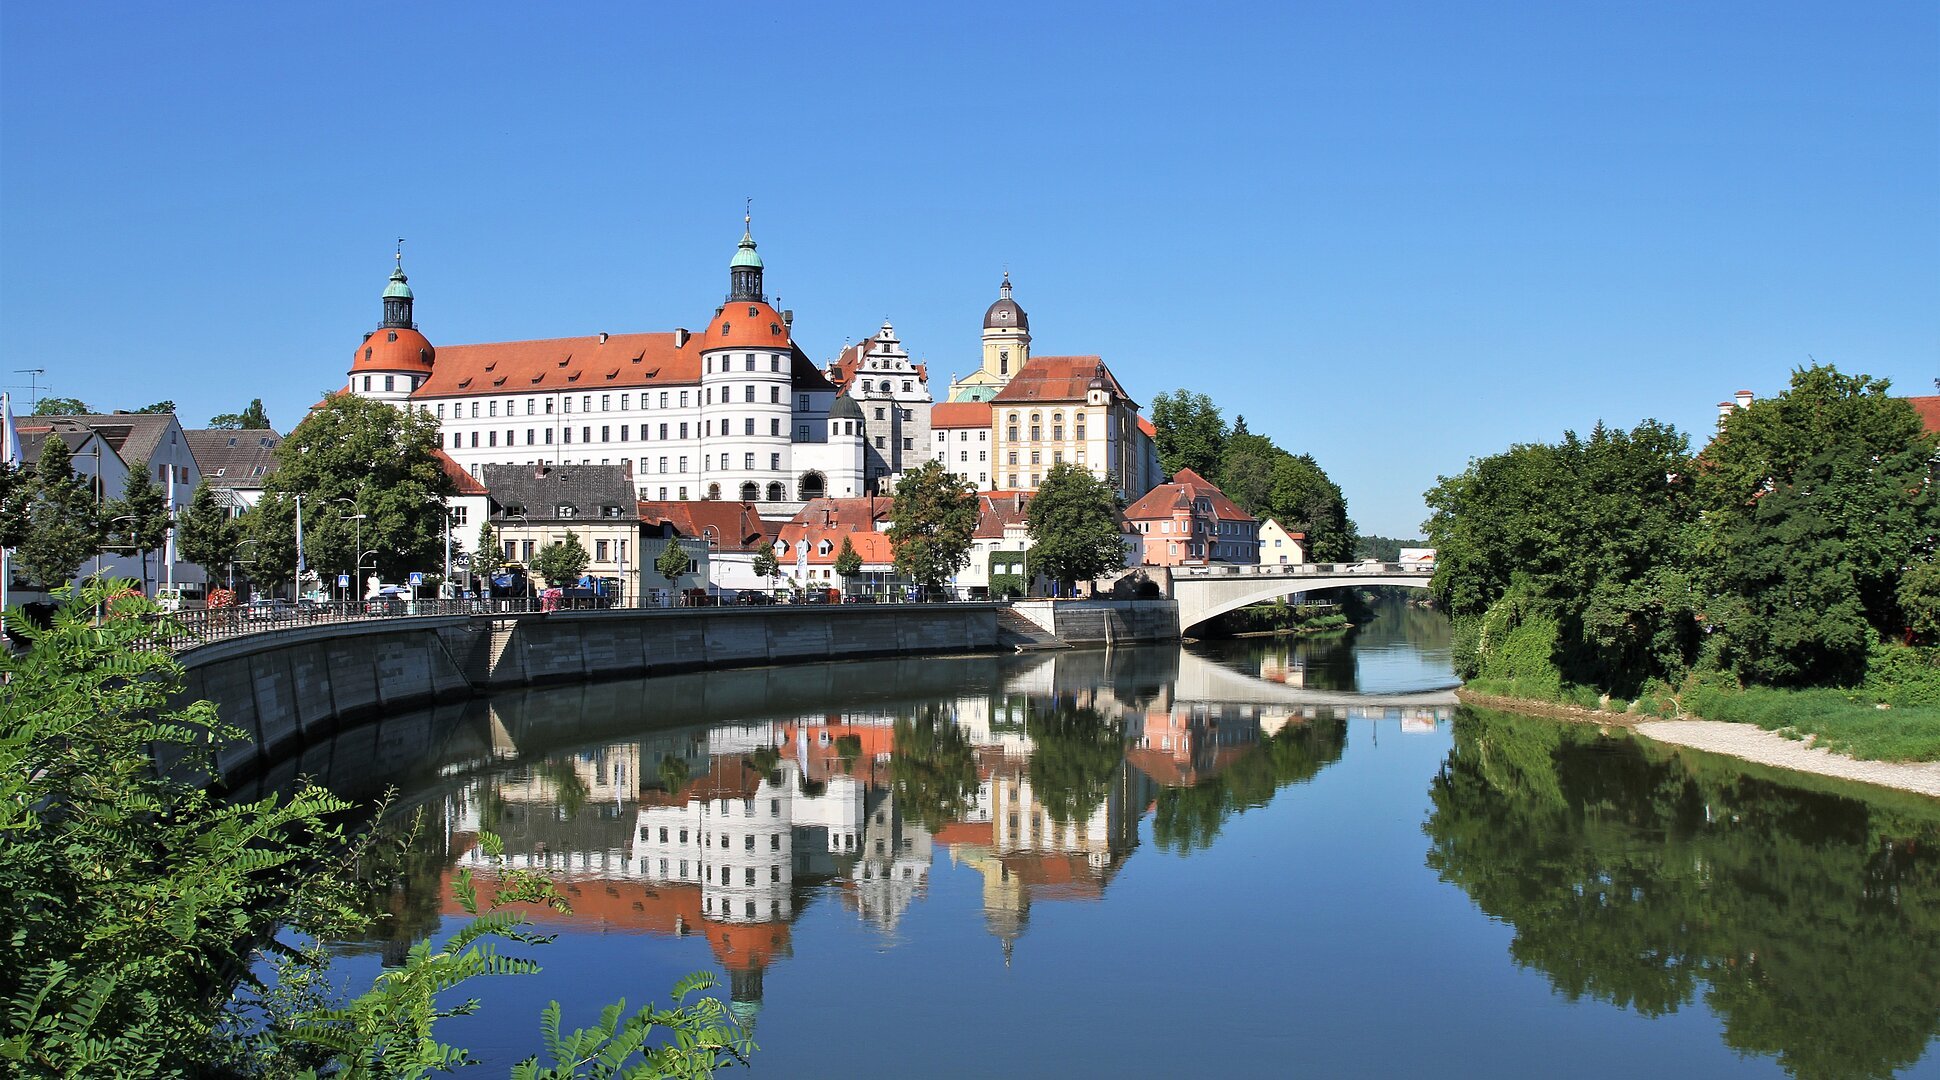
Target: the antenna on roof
(400, 253)
(33, 386)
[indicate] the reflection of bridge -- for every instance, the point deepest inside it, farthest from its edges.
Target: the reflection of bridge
(1206, 591)
(1200, 679)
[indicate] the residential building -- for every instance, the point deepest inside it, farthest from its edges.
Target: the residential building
(1190, 522)
(893, 395)
(1070, 409)
(235, 463)
(533, 506)
(723, 537)
(960, 434)
(1278, 547)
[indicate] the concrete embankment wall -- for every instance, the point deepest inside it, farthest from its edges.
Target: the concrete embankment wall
(286, 687)
(1104, 622)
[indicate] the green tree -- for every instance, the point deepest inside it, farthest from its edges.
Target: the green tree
(1073, 522)
(205, 533)
(673, 563)
(355, 456)
(1813, 501)
(1074, 756)
(767, 565)
(1919, 597)
(16, 500)
(933, 771)
(61, 406)
(847, 563)
(1384, 548)
(489, 559)
(560, 563)
(63, 523)
(936, 514)
(137, 523)
(157, 408)
(253, 417)
(1304, 499)
(1245, 471)
(1191, 433)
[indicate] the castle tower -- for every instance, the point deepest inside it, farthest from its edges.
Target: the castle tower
(394, 359)
(747, 368)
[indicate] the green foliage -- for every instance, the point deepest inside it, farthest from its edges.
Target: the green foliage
(134, 898)
(673, 562)
(489, 558)
(768, 566)
(205, 533)
(1074, 757)
(16, 497)
(1814, 501)
(159, 407)
(1516, 643)
(1843, 721)
(146, 515)
(1006, 586)
(933, 772)
(1191, 433)
(706, 1038)
(1654, 880)
(1384, 548)
(1073, 522)
(1185, 819)
(61, 406)
(847, 563)
(935, 514)
(62, 527)
(561, 562)
(252, 418)
(1902, 675)
(1919, 598)
(377, 458)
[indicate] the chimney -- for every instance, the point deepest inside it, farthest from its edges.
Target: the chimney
(603, 336)
(788, 317)
(680, 337)
(1744, 399)
(1724, 413)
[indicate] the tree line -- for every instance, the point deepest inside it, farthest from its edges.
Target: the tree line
(1798, 539)
(1260, 477)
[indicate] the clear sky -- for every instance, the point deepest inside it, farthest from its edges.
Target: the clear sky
(1395, 236)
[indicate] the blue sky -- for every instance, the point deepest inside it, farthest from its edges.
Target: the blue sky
(1395, 236)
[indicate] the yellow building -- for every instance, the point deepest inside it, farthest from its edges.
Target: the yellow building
(1070, 409)
(1006, 348)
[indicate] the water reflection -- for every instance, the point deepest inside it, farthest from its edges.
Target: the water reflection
(1808, 921)
(1036, 777)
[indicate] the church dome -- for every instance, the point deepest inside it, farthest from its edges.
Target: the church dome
(398, 288)
(394, 349)
(1005, 315)
(746, 324)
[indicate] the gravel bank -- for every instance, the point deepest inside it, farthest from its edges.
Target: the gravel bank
(1753, 743)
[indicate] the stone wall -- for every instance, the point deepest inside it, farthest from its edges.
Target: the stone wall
(1104, 622)
(286, 688)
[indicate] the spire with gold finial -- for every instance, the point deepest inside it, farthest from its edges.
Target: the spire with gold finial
(744, 272)
(397, 295)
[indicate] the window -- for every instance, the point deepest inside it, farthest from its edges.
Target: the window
(586, 403)
(663, 431)
(1037, 433)
(724, 461)
(474, 410)
(474, 440)
(747, 426)
(906, 413)
(548, 406)
(1011, 433)
(388, 383)
(565, 404)
(441, 416)
(879, 413)
(624, 398)
(774, 426)
(747, 461)
(683, 494)
(606, 402)
(663, 492)
(491, 408)
(982, 454)
(906, 388)
(491, 438)
(683, 431)
(909, 443)
(566, 435)
(879, 439)
(683, 466)
(548, 436)
(747, 392)
(801, 432)
(774, 395)
(606, 433)
(627, 428)
(774, 462)
(683, 399)
(367, 377)
(663, 468)
(599, 550)
(527, 547)
(663, 399)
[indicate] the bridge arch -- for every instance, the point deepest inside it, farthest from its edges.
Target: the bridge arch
(1204, 597)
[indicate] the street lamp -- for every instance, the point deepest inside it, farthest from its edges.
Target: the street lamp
(240, 544)
(359, 548)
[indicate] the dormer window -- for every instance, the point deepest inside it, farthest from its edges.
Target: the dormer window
(566, 510)
(232, 440)
(219, 472)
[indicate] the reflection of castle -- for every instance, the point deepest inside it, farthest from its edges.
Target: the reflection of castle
(730, 830)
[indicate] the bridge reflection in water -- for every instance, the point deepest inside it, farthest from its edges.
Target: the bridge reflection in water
(1037, 777)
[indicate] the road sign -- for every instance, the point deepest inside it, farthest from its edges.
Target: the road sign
(417, 578)
(343, 581)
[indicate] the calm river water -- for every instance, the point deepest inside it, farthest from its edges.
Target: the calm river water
(1168, 862)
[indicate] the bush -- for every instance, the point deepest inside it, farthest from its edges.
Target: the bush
(1902, 675)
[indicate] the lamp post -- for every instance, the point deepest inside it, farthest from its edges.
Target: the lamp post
(240, 544)
(359, 547)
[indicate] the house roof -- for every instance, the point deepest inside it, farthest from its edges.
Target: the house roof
(1167, 499)
(462, 482)
(1056, 378)
(133, 435)
(959, 414)
(594, 492)
(998, 510)
(849, 514)
(1929, 410)
(873, 547)
(736, 526)
(34, 431)
(234, 457)
(1145, 428)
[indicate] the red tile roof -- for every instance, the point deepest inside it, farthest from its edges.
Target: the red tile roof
(846, 514)
(736, 525)
(462, 482)
(873, 547)
(1929, 410)
(575, 363)
(1056, 378)
(394, 349)
(997, 510)
(1145, 427)
(1162, 501)
(746, 324)
(959, 414)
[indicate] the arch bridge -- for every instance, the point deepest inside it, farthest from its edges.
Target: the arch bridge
(1203, 592)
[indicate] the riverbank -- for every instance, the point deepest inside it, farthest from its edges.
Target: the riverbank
(1744, 741)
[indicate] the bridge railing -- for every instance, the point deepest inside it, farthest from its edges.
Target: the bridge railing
(1353, 569)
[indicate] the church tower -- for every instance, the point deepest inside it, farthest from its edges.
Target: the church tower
(1006, 346)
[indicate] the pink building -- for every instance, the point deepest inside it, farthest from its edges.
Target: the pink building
(1189, 522)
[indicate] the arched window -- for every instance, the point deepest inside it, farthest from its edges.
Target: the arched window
(714, 492)
(750, 491)
(812, 485)
(776, 492)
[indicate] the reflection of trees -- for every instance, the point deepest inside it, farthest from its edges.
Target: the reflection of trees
(1187, 818)
(1811, 920)
(934, 771)
(569, 788)
(673, 772)
(1075, 754)
(405, 864)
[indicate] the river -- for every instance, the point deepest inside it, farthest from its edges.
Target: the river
(1167, 862)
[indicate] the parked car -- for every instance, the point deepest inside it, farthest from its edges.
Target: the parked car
(752, 598)
(858, 598)
(269, 608)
